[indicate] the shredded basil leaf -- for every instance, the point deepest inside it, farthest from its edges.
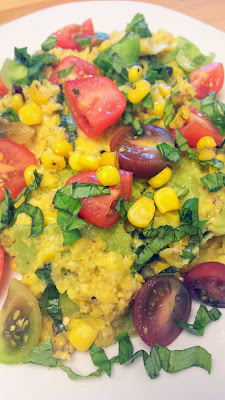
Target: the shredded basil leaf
(65, 72)
(181, 142)
(152, 120)
(161, 71)
(122, 207)
(214, 182)
(9, 114)
(203, 317)
(33, 186)
(215, 110)
(49, 43)
(84, 42)
(192, 249)
(44, 274)
(139, 26)
(150, 195)
(35, 213)
(138, 129)
(125, 347)
(128, 114)
(7, 209)
(168, 152)
(180, 190)
(100, 359)
(189, 213)
(147, 102)
(68, 123)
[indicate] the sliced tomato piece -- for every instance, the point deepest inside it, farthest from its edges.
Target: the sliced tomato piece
(15, 158)
(207, 79)
(3, 88)
(95, 103)
(67, 36)
(100, 210)
(161, 301)
(1, 260)
(206, 283)
(81, 69)
(198, 126)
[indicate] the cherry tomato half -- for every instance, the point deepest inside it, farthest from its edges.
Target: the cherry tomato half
(16, 158)
(95, 103)
(206, 283)
(1, 260)
(161, 301)
(139, 153)
(100, 210)
(67, 36)
(81, 69)
(207, 79)
(3, 88)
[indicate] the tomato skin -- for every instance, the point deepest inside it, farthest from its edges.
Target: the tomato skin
(3, 88)
(206, 283)
(16, 158)
(1, 260)
(68, 34)
(97, 105)
(161, 301)
(207, 79)
(138, 153)
(198, 126)
(100, 210)
(82, 69)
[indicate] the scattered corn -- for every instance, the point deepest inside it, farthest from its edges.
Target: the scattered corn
(138, 91)
(172, 216)
(13, 264)
(206, 154)
(166, 200)
(29, 174)
(109, 158)
(63, 148)
(135, 73)
(220, 157)
(53, 161)
(161, 179)
(74, 161)
(180, 118)
(50, 218)
(159, 109)
(89, 162)
(206, 141)
(39, 94)
(82, 335)
(165, 90)
(30, 114)
(17, 102)
(141, 212)
(108, 175)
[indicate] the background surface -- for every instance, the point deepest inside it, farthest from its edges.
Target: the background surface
(211, 12)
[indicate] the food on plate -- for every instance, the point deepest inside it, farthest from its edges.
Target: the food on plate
(112, 197)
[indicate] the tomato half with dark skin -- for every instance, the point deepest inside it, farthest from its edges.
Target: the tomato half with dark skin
(95, 103)
(162, 300)
(20, 324)
(67, 36)
(207, 79)
(81, 69)
(3, 88)
(15, 158)
(206, 283)
(100, 210)
(139, 153)
(1, 260)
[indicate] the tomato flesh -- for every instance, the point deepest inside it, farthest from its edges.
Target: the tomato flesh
(81, 69)
(139, 153)
(95, 103)
(100, 210)
(3, 88)
(161, 301)
(1, 260)
(16, 158)
(207, 79)
(67, 36)
(206, 283)
(20, 324)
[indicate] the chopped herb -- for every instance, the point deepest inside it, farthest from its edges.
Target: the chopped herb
(148, 102)
(120, 68)
(128, 114)
(35, 213)
(100, 359)
(150, 195)
(9, 114)
(189, 213)
(151, 120)
(122, 207)
(181, 142)
(168, 114)
(76, 92)
(192, 249)
(203, 317)
(214, 182)
(7, 211)
(168, 152)
(49, 43)
(139, 26)
(180, 190)
(215, 110)
(84, 42)
(68, 123)
(138, 129)
(125, 347)
(33, 186)
(44, 274)
(65, 72)
(161, 71)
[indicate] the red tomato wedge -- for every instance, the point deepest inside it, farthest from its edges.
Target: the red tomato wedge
(81, 69)
(15, 158)
(100, 210)
(95, 103)
(198, 126)
(1, 260)
(67, 36)
(3, 88)
(207, 79)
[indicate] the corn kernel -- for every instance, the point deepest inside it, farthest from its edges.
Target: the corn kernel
(206, 154)
(13, 264)
(161, 179)
(74, 161)
(63, 148)
(141, 212)
(50, 218)
(53, 161)
(164, 89)
(166, 200)
(159, 109)
(181, 117)
(220, 157)
(177, 72)
(108, 175)
(104, 45)
(89, 162)
(17, 101)
(30, 114)
(135, 73)
(39, 94)
(172, 216)
(82, 336)
(109, 158)
(74, 322)
(138, 91)
(206, 141)
(29, 174)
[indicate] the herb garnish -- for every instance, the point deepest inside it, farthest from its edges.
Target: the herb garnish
(49, 43)
(203, 317)
(214, 182)
(65, 72)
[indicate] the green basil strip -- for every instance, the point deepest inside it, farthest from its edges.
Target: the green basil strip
(125, 347)
(100, 359)
(67, 122)
(189, 213)
(151, 120)
(168, 152)
(44, 274)
(65, 72)
(33, 186)
(84, 42)
(49, 43)
(139, 26)
(36, 214)
(8, 210)
(9, 114)
(128, 114)
(122, 207)
(147, 102)
(168, 114)
(192, 249)
(203, 318)
(180, 190)
(138, 129)
(181, 142)
(214, 182)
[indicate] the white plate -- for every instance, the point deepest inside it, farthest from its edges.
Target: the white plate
(33, 382)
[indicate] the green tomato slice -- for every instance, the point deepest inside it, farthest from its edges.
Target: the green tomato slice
(20, 324)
